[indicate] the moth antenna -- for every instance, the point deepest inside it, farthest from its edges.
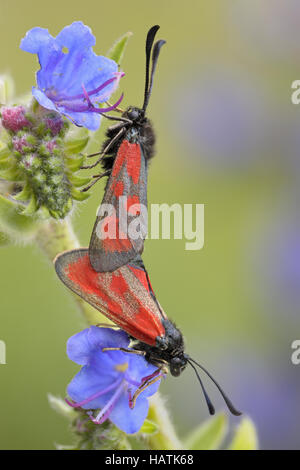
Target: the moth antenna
(210, 406)
(149, 42)
(228, 402)
(156, 50)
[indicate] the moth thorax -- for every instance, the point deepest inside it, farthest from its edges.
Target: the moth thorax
(133, 134)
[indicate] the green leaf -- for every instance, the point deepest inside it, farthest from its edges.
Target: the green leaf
(25, 194)
(76, 145)
(56, 215)
(116, 52)
(79, 196)
(149, 427)
(32, 206)
(6, 163)
(245, 437)
(209, 435)
(73, 164)
(11, 174)
(35, 105)
(44, 213)
(11, 219)
(79, 181)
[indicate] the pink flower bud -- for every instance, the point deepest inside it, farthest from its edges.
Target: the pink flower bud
(19, 143)
(13, 118)
(54, 123)
(51, 145)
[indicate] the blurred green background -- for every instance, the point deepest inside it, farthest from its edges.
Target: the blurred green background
(228, 137)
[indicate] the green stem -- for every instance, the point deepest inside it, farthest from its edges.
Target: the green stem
(165, 438)
(54, 237)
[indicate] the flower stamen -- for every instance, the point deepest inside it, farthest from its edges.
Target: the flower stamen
(107, 409)
(95, 395)
(117, 76)
(110, 108)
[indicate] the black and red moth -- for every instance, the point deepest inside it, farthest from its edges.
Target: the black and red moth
(125, 156)
(126, 297)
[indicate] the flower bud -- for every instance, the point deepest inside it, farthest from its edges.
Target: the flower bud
(38, 158)
(14, 118)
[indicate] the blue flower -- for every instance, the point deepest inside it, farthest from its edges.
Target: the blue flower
(72, 79)
(108, 379)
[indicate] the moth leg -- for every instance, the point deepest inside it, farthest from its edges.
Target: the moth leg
(112, 118)
(130, 351)
(104, 152)
(144, 385)
(96, 179)
(154, 374)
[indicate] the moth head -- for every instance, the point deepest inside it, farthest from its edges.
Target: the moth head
(135, 114)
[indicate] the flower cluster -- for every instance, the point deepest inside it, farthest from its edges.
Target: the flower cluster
(36, 158)
(108, 379)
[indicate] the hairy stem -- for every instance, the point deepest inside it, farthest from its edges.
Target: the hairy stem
(165, 438)
(54, 237)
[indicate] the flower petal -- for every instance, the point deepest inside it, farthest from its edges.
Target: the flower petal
(36, 40)
(139, 368)
(81, 346)
(127, 419)
(78, 40)
(42, 99)
(89, 120)
(39, 41)
(87, 382)
(76, 34)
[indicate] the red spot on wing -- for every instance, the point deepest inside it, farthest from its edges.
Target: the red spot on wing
(118, 188)
(113, 239)
(141, 275)
(131, 154)
(120, 158)
(147, 325)
(83, 275)
(108, 226)
(119, 285)
(132, 200)
(134, 162)
(131, 313)
(116, 245)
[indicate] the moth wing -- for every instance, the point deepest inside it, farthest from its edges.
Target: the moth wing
(121, 225)
(122, 295)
